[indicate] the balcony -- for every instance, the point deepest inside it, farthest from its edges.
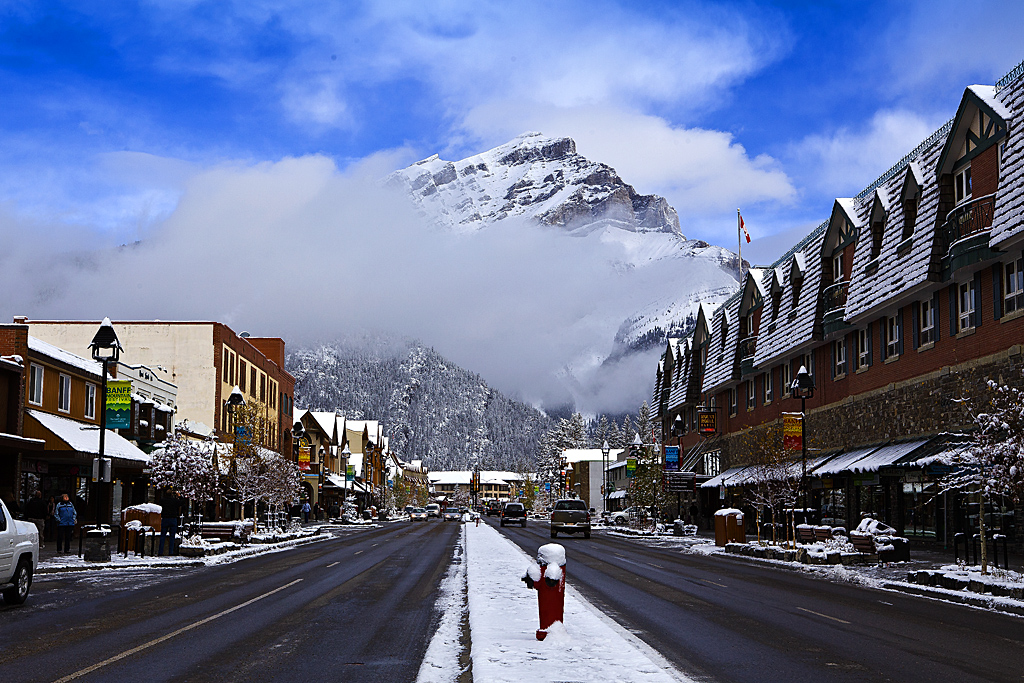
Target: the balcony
(833, 300)
(966, 233)
(745, 352)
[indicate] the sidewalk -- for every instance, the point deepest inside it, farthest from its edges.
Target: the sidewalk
(503, 620)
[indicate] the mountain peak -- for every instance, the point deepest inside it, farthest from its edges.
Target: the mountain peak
(535, 177)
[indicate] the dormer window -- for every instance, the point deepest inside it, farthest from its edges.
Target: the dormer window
(837, 267)
(962, 184)
(748, 325)
(878, 215)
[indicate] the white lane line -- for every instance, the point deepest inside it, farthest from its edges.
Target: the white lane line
(655, 565)
(157, 641)
(721, 585)
(375, 545)
(332, 564)
(357, 552)
(825, 616)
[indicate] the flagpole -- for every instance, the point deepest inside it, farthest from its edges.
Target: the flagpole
(739, 245)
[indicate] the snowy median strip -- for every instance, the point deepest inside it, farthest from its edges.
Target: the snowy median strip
(503, 622)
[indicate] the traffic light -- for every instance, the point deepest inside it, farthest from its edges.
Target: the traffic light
(561, 479)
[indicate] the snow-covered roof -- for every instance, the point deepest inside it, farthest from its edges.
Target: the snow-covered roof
(85, 438)
(58, 354)
(462, 477)
(865, 460)
(1007, 226)
(722, 352)
(327, 422)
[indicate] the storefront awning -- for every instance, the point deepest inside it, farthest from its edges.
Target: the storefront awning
(732, 476)
(616, 494)
(63, 434)
(867, 460)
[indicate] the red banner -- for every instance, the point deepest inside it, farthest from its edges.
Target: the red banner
(793, 431)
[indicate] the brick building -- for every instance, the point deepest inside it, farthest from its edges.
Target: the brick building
(907, 297)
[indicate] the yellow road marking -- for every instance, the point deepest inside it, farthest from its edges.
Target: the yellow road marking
(655, 565)
(825, 616)
(157, 641)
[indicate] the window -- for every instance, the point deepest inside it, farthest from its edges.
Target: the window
(252, 378)
(910, 214)
(733, 401)
(273, 394)
(965, 305)
(712, 463)
(837, 268)
(1013, 286)
(768, 387)
(863, 348)
(787, 379)
(926, 322)
(64, 393)
(225, 364)
(748, 324)
(35, 384)
(263, 387)
(90, 401)
(807, 361)
(892, 336)
(751, 398)
(231, 366)
(839, 355)
(962, 184)
(241, 374)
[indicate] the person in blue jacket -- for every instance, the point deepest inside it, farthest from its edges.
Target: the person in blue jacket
(66, 518)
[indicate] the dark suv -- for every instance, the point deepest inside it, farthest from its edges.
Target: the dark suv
(494, 508)
(513, 513)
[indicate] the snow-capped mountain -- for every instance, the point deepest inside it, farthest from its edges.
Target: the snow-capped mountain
(535, 177)
(546, 180)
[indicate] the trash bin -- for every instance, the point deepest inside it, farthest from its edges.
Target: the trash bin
(97, 545)
(729, 527)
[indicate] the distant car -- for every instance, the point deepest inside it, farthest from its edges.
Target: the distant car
(570, 516)
(513, 513)
(494, 508)
(621, 518)
(19, 555)
(418, 513)
(452, 513)
(433, 510)
(408, 509)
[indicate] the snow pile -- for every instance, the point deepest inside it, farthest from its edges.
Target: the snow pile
(146, 507)
(503, 620)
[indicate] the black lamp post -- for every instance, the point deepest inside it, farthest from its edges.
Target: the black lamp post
(803, 388)
(345, 455)
(105, 349)
(605, 450)
(234, 400)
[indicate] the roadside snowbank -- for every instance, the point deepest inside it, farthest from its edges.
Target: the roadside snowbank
(503, 621)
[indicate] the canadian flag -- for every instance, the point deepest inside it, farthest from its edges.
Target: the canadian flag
(743, 227)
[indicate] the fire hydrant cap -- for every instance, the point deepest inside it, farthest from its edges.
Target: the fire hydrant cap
(551, 554)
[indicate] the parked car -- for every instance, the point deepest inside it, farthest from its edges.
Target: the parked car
(433, 510)
(494, 508)
(621, 517)
(513, 513)
(452, 514)
(570, 516)
(418, 513)
(19, 556)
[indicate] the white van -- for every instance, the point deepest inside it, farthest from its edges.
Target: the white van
(433, 510)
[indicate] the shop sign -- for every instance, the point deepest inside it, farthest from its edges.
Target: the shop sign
(707, 422)
(793, 431)
(939, 470)
(915, 477)
(866, 481)
(671, 458)
(119, 404)
(890, 471)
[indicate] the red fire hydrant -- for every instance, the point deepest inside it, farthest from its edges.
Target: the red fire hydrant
(547, 575)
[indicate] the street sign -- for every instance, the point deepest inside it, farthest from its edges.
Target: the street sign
(671, 458)
(547, 486)
(678, 482)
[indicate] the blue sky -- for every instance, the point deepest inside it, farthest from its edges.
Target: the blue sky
(773, 107)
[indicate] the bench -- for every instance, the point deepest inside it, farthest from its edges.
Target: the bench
(822, 534)
(863, 543)
(805, 533)
(227, 531)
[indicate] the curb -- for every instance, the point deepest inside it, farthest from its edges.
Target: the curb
(989, 602)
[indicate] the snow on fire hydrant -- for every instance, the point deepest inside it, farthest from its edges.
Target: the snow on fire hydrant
(547, 575)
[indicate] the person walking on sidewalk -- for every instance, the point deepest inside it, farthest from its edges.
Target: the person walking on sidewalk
(35, 512)
(170, 511)
(66, 518)
(305, 512)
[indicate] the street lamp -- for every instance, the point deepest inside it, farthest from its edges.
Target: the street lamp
(105, 349)
(345, 454)
(605, 450)
(568, 476)
(803, 388)
(234, 400)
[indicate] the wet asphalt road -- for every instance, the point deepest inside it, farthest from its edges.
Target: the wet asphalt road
(726, 619)
(355, 608)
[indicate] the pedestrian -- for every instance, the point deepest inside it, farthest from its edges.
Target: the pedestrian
(305, 512)
(35, 512)
(169, 514)
(51, 505)
(66, 518)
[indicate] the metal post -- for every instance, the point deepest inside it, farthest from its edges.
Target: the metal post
(803, 455)
(103, 441)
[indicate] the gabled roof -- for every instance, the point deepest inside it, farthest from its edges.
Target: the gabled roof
(1008, 220)
(328, 423)
(976, 98)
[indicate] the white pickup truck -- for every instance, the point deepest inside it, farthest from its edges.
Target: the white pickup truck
(19, 555)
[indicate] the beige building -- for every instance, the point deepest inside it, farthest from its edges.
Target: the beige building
(205, 360)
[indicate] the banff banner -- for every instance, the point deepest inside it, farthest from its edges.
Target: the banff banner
(119, 404)
(793, 431)
(671, 458)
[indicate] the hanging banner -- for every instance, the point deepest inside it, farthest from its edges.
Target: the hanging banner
(793, 431)
(350, 473)
(671, 458)
(630, 466)
(119, 404)
(304, 458)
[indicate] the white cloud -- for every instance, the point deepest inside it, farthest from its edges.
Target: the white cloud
(845, 161)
